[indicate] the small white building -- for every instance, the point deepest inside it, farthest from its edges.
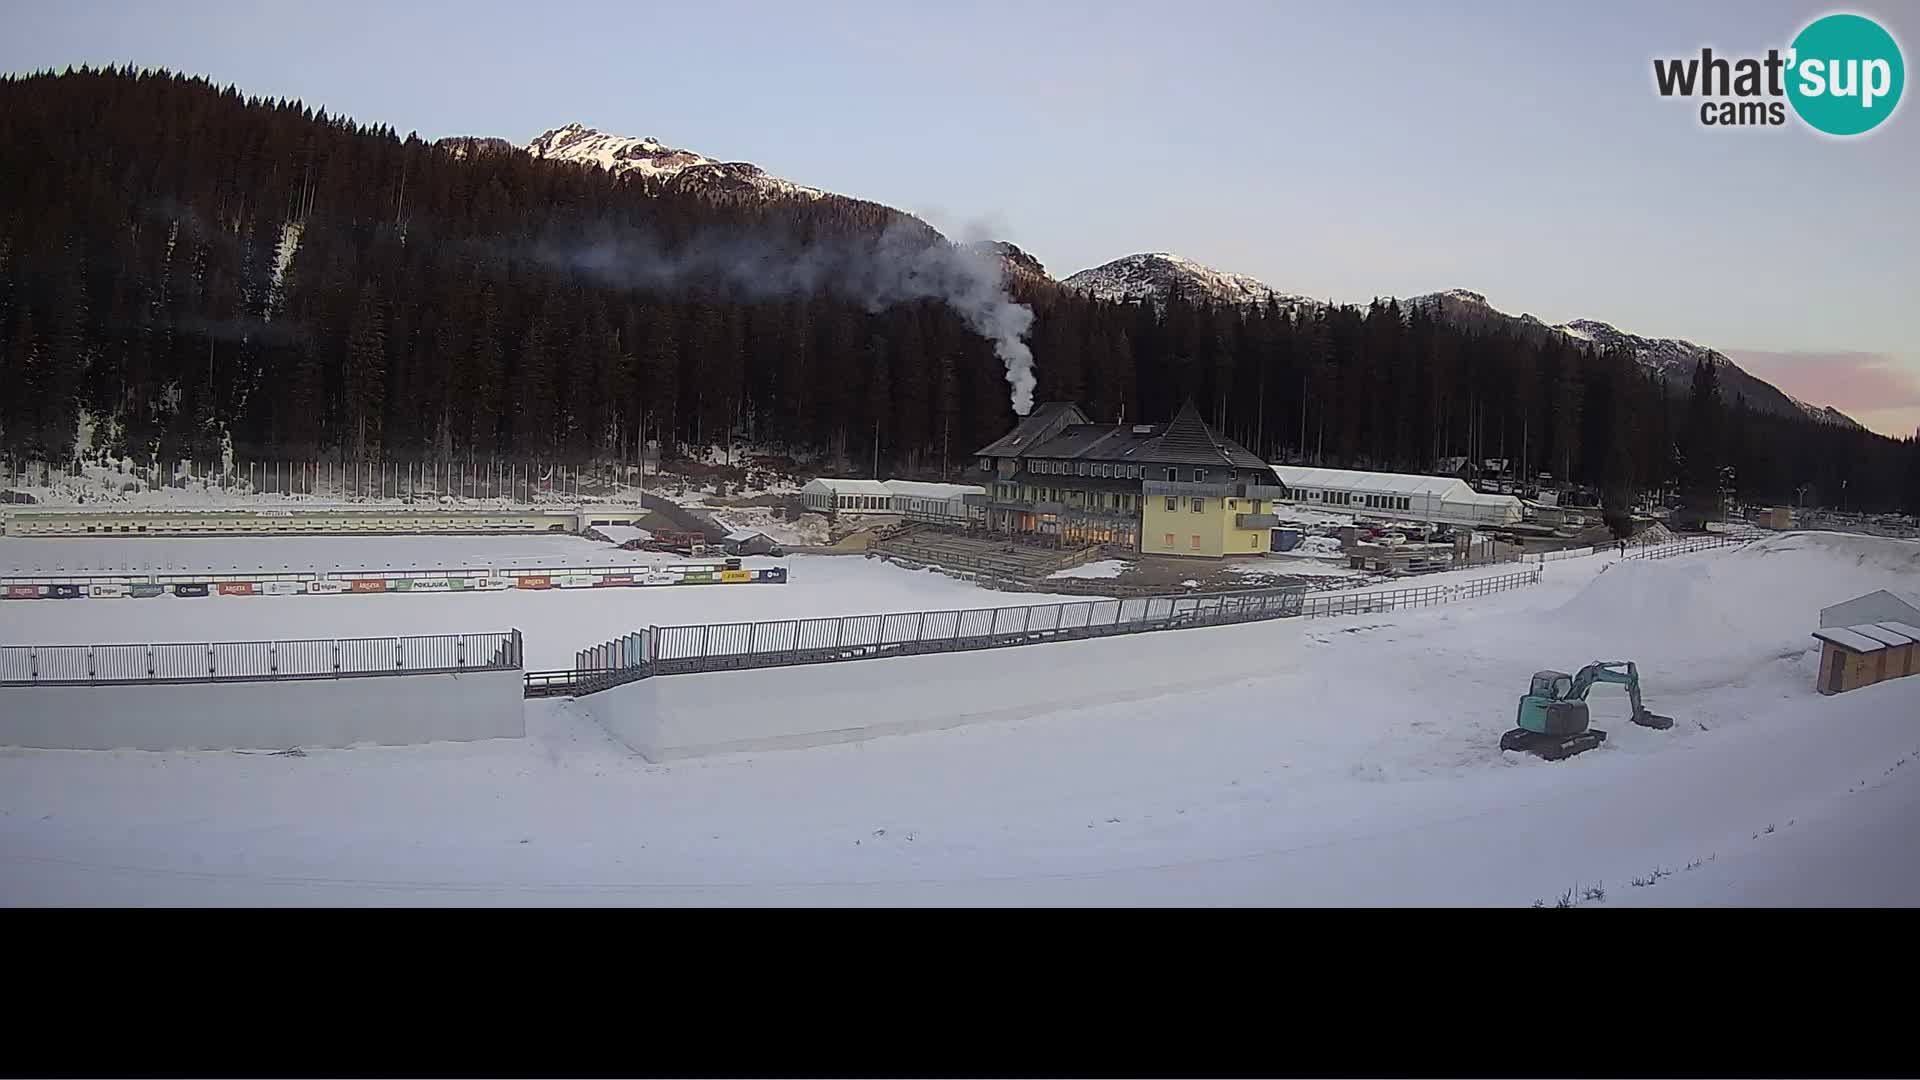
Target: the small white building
(909, 498)
(1875, 607)
(1445, 499)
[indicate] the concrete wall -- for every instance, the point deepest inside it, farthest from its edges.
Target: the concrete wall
(383, 709)
(678, 716)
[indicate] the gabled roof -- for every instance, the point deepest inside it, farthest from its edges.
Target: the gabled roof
(1046, 419)
(1186, 440)
(919, 490)
(1881, 605)
(1447, 487)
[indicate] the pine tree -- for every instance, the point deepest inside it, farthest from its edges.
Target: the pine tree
(366, 375)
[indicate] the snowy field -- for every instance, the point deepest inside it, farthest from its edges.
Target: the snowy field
(1355, 762)
(557, 623)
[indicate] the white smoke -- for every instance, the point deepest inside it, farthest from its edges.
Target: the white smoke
(901, 264)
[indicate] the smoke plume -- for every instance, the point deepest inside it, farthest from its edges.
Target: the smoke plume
(903, 263)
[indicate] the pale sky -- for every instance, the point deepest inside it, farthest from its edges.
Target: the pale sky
(1342, 150)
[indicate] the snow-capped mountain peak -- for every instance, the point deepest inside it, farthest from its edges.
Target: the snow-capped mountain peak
(1152, 275)
(649, 157)
(1672, 359)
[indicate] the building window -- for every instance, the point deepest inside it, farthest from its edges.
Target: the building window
(1173, 503)
(1253, 543)
(1194, 542)
(1199, 476)
(1173, 474)
(1232, 504)
(1169, 544)
(1199, 505)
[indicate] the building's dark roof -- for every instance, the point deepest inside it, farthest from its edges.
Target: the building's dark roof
(1187, 440)
(1043, 422)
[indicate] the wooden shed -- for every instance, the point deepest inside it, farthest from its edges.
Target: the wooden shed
(1864, 654)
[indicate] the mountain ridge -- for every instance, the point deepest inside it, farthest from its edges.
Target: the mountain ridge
(1149, 276)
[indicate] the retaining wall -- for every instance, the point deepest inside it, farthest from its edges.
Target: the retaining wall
(679, 716)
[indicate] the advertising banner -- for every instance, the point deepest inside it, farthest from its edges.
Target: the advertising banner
(363, 585)
(574, 581)
(539, 581)
(731, 576)
(145, 590)
(326, 587)
(194, 588)
(23, 592)
(106, 590)
(615, 579)
(281, 588)
(236, 588)
(429, 585)
(66, 592)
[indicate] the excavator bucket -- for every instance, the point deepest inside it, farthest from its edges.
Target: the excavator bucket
(1652, 720)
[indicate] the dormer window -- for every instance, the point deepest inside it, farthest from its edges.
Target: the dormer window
(1199, 476)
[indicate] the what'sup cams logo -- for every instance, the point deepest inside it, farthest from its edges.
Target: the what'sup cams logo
(1843, 75)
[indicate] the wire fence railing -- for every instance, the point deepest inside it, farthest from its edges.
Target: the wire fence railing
(682, 650)
(259, 661)
(1690, 545)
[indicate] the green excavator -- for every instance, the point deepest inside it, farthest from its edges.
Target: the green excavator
(1553, 712)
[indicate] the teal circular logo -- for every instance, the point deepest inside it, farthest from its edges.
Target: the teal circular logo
(1845, 75)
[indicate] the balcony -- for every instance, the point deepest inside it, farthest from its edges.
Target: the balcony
(1256, 521)
(1239, 490)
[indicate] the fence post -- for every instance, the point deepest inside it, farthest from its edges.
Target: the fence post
(149, 661)
(460, 651)
(336, 656)
(399, 660)
(90, 674)
(273, 657)
(210, 671)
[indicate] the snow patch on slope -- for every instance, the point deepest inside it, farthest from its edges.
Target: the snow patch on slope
(1152, 275)
(622, 154)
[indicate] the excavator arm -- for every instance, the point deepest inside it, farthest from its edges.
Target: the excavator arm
(1623, 673)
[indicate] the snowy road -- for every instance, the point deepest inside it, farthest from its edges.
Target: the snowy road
(1362, 771)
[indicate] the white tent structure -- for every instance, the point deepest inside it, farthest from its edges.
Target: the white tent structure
(1404, 495)
(848, 496)
(910, 497)
(932, 502)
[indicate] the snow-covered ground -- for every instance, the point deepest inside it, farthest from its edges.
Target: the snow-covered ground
(809, 529)
(1356, 762)
(1282, 566)
(1103, 568)
(557, 623)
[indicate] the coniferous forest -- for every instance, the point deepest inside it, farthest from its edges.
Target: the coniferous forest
(192, 271)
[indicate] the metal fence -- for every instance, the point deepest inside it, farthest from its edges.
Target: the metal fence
(681, 650)
(1689, 546)
(257, 661)
(1368, 602)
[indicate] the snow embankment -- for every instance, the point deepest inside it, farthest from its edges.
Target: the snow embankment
(1104, 568)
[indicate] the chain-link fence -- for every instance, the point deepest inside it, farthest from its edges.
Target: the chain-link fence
(240, 661)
